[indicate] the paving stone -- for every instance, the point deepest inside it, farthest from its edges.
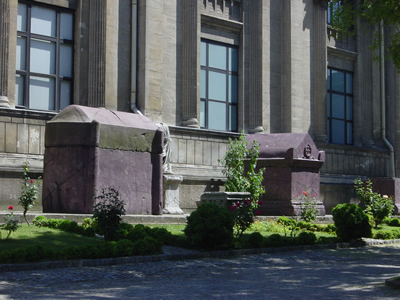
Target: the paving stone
(350, 273)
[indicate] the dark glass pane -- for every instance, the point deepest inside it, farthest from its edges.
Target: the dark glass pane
(216, 115)
(217, 86)
(338, 106)
(338, 130)
(217, 56)
(337, 81)
(233, 89)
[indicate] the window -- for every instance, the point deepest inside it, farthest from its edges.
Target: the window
(332, 8)
(44, 64)
(218, 86)
(340, 106)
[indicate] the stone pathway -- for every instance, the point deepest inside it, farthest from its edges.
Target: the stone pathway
(353, 273)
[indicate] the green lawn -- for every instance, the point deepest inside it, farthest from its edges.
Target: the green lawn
(49, 238)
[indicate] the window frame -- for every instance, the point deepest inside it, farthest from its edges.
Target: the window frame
(348, 121)
(27, 74)
(228, 75)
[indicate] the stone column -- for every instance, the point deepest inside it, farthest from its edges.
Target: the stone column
(4, 51)
(171, 194)
(97, 58)
(320, 70)
(253, 48)
(190, 63)
(296, 70)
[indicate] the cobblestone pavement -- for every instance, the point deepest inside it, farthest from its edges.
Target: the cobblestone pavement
(353, 273)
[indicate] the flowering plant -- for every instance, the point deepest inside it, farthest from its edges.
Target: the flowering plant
(376, 205)
(11, 222)
(29, 193)
(308, 207)
(244, 213)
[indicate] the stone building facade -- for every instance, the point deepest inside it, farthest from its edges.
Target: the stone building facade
(209, 69)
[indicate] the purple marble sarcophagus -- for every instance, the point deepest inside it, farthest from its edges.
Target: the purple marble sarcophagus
(292, 163)
(90, 149)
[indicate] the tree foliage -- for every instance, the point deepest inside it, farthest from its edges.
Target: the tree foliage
(374, 12)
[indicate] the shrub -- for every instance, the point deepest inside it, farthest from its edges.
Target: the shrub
(137, 233)
(275, 240)
(162, 235)
(394, 222)
(108, 212)
(378, 206)
(254, 240)
(289, 224)
(307, 238)
(210, 227)
(351, 222)
(40, 221)
(147, 246)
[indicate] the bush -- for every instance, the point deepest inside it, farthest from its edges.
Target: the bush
(307, 238)
(210, 227)
(395, 222)
(254, 240)
(147, 246)
(40, 221)
(376, 205)
(137, 233)
(351, 222)
(108, 212)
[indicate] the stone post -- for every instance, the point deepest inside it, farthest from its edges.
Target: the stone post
(171, 194)
(4, 51)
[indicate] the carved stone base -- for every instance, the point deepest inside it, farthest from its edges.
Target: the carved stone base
(171, 194)
(4, 102)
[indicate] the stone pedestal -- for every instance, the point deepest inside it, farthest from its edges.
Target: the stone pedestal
(224, 199)
(90, 149)
(292, 163)
(171, 194)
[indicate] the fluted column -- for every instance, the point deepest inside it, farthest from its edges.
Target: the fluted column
(4, 51)
(320, 69)
(97, 38)
(254, 44)
(190, 63)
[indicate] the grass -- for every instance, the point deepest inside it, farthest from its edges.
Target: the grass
(41, 236)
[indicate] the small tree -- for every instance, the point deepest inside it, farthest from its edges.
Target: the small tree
(29, 194)
(108, 211)
(239, 167)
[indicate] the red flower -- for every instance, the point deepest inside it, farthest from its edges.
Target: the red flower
(258, 212)
(314, 195)
(297, 195)
(247, 202)
(259, 203)
(11, 207)
(233, 207)
(32, 181)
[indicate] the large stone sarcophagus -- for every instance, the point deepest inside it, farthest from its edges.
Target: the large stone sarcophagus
(292, 163)
(91, 149)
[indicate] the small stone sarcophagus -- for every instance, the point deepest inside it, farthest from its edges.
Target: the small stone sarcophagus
(292, 163)
(90, 149)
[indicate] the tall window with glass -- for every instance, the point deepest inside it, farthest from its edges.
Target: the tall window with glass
(44, 65)
(218, 86)
(340, 106)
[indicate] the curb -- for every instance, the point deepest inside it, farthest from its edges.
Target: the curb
(187, 256)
